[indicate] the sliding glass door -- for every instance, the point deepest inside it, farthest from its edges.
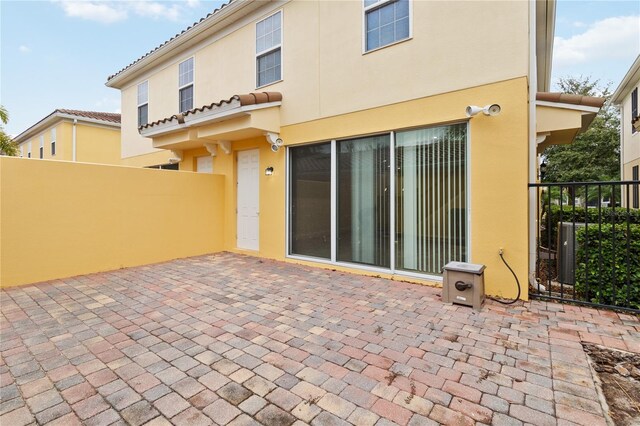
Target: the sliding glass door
(310, 200)
(431, 202)
(407, 216)
(363, 200)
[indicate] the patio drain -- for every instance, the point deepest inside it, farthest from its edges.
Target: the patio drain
(619, 382)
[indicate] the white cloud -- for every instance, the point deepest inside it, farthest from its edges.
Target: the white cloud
(155, 10)
(114, 11)
(610, 38)
(24, 49)
(105, 12)
(108, 103)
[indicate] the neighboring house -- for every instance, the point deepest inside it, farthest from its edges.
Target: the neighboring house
(342, 131)
(626, 98)
(71, 135)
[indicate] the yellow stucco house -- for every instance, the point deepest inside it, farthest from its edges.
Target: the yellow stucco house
(383, 137)
(72, 135)
(626, 98)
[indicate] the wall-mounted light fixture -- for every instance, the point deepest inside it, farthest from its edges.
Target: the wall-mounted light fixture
(268, 171)
(492, 110)
(543, 170)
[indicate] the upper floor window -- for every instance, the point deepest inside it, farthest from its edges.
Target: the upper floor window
(53, 141)
(143, 103)
(269, 50)
(185, 85)
(634, 108)
(41, 146)
(386, 21)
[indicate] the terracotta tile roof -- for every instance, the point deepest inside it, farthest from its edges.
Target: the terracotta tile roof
(565, 98)
(95, 115)
(58, 114)
(244, 100)
(172, 38)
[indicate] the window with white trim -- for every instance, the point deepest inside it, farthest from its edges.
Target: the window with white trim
(53, 141)
(41, 146)
(269, 50)
(185, 85)
(29, 150)
(204, 164)
(143, 103)
(386, 22)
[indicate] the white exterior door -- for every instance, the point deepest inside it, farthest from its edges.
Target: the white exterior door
(248, 200)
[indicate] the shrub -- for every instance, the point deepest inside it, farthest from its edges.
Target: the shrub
(608, 264)
(568, 214)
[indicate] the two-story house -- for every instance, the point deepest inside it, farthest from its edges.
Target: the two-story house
(381, 136)
(626, 98)
(72, 135)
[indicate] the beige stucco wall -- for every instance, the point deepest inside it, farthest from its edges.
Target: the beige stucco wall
(95, 143)
(498, 148)
(454, 45)
(63, 149)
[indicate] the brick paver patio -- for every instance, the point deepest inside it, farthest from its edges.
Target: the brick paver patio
(236, 340)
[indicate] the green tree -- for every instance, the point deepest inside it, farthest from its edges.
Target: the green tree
(595, 154)
(7, 145)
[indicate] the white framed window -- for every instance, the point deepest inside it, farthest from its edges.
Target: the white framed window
(41, 146)
(269, 50)
(53, 141)
(185, 85)
(386, 22)
(204, 164)
(143, 103)
(29, 150)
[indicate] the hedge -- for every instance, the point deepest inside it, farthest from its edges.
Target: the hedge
(604, 265)
(619, 215)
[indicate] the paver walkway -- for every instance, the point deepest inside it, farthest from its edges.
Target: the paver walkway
(236, 340)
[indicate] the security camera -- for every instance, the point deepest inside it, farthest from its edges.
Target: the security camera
(473, 110)
(174, 160)
(275, 148)
(491, 110)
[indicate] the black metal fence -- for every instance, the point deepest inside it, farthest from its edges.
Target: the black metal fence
(588, 243)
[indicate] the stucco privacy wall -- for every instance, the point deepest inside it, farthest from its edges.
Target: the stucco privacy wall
(60, 219)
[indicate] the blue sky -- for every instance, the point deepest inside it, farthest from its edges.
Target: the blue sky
(58, 54)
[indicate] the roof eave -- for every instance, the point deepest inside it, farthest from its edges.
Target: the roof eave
(627, 82)
(203, 117)
(178, 43)
(53, 118)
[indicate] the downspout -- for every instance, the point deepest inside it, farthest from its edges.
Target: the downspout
(533, 148)
(621, 108)
(73, 139)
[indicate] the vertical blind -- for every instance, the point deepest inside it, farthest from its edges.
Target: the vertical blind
(431, 218)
